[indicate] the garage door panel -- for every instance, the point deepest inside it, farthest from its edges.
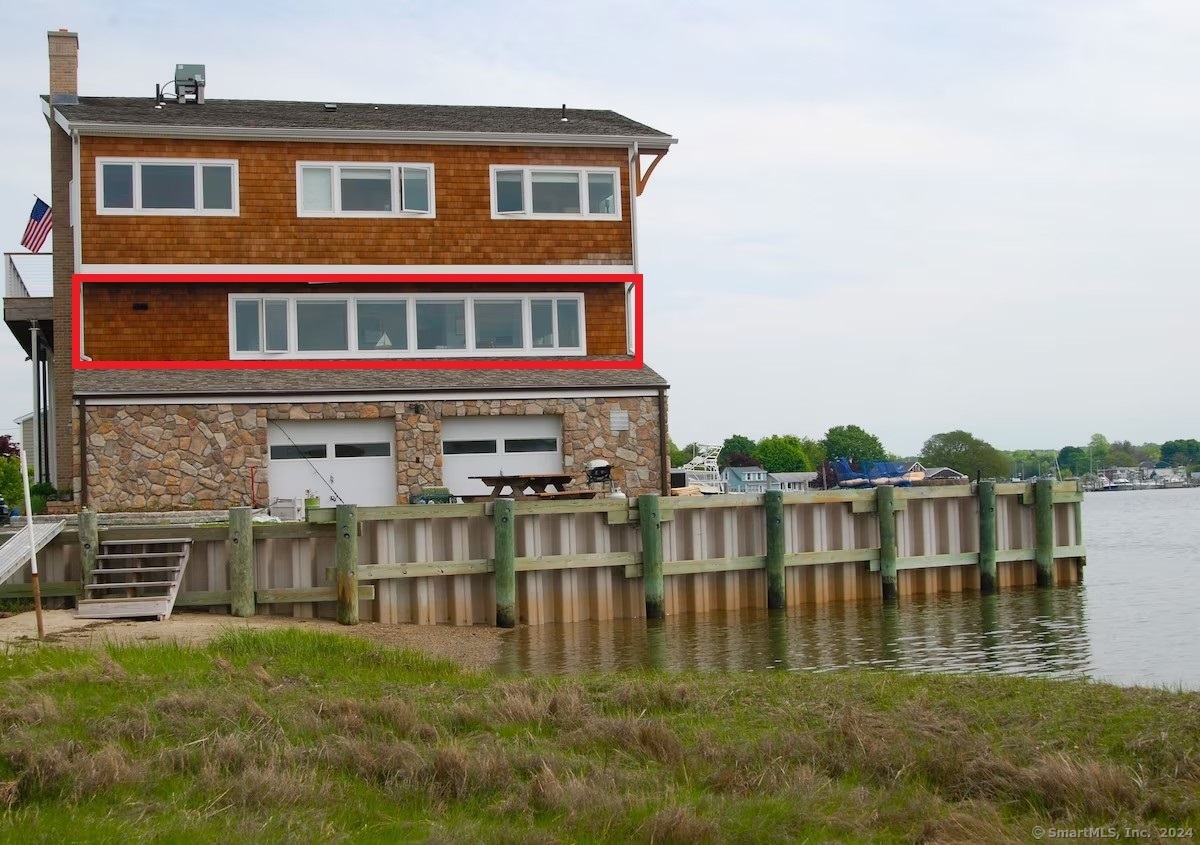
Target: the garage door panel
(350, 461)
(496, 446)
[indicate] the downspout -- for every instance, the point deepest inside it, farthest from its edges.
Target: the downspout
(83, 479)
(633, 241)
(663, 450)
(76, 192)
(45, 471)
(37, 387)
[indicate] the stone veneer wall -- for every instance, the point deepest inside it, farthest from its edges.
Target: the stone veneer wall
(167, 457)
(586, 435)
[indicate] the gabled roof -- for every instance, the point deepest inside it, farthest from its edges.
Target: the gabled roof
(786, 477)
(231, 383)
(930, 472)
(288, 118)
(740, 472)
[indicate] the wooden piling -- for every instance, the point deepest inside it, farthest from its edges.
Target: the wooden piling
(776, 585)
(987, 537)
(503, 520)
(885, 510)
(347, 564)
(89, 545)
(652, 561)
(1043, 503)
(241, 562)
(656, 645)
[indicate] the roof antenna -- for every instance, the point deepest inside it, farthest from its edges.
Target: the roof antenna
(564, 113)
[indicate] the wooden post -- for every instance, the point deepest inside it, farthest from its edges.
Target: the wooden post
(347, 564)
(776, 585)
(777, 639)
(89, 546)
(656, 645)
(504, 523)
(33, 570)
(987, 537)
(885, 510)
(652, 562)
(1043, 502)
(241, 562)
(1079, 564)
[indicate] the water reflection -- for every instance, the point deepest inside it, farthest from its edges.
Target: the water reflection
(1133, 623)
(1027, 632)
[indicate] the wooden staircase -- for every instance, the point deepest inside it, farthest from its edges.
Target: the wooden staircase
(135, 578)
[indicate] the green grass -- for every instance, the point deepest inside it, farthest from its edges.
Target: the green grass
(297, 736)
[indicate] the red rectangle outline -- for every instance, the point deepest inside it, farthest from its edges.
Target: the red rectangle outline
(80, 279)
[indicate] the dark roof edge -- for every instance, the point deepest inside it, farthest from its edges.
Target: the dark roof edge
(130, 130)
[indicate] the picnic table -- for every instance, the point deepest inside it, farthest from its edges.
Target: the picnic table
(541, 485)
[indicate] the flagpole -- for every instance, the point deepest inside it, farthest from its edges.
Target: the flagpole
(37, 591)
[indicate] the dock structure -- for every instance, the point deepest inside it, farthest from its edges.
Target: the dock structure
(15, 553)
(533, 562)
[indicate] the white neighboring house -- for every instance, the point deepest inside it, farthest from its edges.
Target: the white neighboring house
(944, 474)
(745, 479)
(29, 442)
(791, 482)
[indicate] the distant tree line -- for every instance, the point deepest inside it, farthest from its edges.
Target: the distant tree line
(958, 450)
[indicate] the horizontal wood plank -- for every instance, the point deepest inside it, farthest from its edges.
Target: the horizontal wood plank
(203, 598)
(282, 595)
(935, 561)
(831, 556)
(420, 569)
(48, 589)
(586, 561)
(724, 500)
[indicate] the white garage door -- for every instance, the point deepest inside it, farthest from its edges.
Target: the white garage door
(342, 461)
(498, 445)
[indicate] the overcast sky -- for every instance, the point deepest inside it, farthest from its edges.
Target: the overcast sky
(911, 216)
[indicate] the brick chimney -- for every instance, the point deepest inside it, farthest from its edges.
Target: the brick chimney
(64, 90)
(64, 66)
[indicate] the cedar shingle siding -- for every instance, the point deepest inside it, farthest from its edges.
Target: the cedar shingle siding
(268, 231)
(185, 322)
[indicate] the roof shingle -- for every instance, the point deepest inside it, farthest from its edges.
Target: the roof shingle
(258, 382)
(361, 117)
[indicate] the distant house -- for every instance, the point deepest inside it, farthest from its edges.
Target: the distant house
(745, 479)
(29, 441)
(944, 474)
(790, 482)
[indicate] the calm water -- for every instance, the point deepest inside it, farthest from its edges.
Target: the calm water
(1132, 621)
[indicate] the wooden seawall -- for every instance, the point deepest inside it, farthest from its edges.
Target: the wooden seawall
(602, 559)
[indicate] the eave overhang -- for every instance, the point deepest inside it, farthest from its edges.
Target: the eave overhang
(647, 143)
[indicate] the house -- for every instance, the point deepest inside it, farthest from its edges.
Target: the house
(28, 438)
(255, 299)
(945, 474)
(745, 479)
(791, 482)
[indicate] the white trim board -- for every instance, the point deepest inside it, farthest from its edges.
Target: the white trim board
(416, 396)
(365, 269)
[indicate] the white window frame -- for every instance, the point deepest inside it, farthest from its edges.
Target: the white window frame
(197, 165)
(527, 350)
(527, 192)
(397, 169)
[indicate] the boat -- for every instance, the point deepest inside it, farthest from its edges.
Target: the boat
(701, 471)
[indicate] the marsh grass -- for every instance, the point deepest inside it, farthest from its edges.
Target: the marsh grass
(298, 736)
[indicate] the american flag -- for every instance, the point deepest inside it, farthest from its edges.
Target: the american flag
(40, 221)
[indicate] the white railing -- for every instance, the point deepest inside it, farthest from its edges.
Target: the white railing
(13, 285)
